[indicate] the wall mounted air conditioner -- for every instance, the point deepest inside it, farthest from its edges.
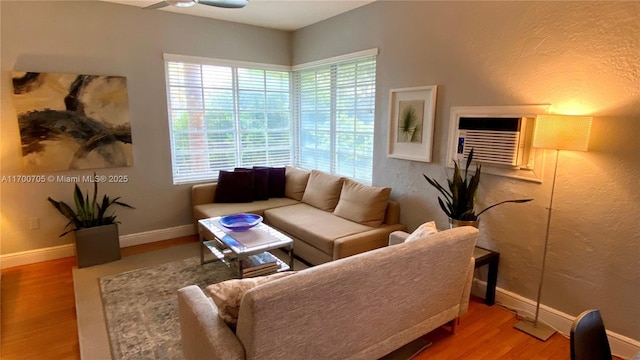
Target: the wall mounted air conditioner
(502, 139)
(495, 140)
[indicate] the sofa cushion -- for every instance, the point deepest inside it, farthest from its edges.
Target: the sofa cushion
(227, 295)
(296, 182)
(363, 204)
(277, 180)
(205, 211)
(234, 187)
(423, 231)
(260, 182)
(315, 227)
(323, 190)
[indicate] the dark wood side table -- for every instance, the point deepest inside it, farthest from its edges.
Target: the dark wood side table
(492, 258)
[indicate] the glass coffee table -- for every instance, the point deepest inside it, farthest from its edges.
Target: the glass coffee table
(236, 248)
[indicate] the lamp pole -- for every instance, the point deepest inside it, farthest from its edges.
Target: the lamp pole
(546, 238)
(558, 132)
(537, 329)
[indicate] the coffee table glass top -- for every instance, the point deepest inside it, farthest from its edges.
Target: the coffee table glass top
(257, 239)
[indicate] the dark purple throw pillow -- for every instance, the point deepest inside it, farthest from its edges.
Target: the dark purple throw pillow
(234, 187)
(260, 183)
(276, 180)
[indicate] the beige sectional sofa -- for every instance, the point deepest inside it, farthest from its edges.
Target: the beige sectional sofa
(360, 307)
(328, 217)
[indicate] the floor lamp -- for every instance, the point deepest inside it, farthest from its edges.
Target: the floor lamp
(558, 132)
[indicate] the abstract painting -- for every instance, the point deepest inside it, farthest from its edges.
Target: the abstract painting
(71, 121)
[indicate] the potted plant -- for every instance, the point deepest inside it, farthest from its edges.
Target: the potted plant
(96, 231)
(458, 201)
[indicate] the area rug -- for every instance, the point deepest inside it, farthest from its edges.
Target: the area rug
(92, 329)
(141, 306)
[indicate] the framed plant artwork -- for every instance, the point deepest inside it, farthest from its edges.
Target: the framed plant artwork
(411, 119)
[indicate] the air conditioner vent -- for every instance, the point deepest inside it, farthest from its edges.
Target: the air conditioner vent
(494, 140)
(502, 138)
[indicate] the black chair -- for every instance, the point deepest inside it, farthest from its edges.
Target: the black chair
(588, 337)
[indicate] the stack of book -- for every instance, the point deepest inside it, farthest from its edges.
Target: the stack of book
(259, 264)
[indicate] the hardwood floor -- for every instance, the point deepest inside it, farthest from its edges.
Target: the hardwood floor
(38, 320)
(37, 303)
(37, 307)
(487, 333)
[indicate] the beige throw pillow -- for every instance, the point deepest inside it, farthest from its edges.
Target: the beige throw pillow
(363, 204)
(227, 295)
(424, 230)
(295, 182)
(323, 190)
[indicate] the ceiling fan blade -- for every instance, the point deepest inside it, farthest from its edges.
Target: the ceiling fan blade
(229, 4)
(159, 5)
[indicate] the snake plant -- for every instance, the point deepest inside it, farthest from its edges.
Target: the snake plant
(458, 201)
(88, 213)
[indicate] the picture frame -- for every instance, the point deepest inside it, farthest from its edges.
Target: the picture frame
(72, 121)
(411, 123)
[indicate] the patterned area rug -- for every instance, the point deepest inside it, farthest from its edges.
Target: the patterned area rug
(141, 306)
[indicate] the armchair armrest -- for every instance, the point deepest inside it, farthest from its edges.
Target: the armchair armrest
(203, 193)
(365, 241)
(392, 214)
(204, 334)
(397, 237)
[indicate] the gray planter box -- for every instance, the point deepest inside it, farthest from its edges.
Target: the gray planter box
(97, 245)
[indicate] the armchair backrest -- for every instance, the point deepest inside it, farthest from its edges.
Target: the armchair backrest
(355, 307)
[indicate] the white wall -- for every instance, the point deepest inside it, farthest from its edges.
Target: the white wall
(580, 57)
(92, 37)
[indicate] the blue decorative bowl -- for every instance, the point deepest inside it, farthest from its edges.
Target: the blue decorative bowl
(240, 222)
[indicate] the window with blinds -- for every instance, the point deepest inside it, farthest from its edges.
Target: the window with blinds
(335, 111)
(222, 117)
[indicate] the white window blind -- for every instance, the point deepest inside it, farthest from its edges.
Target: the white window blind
(335, 111)
(222, 117)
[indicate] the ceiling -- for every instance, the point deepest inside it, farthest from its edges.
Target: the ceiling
(277, 14)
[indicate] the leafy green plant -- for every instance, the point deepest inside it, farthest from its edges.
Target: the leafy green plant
(88, 213)
(458, 202)
(408, 124)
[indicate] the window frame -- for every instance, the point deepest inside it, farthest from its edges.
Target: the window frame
(234, 66)
(331, 64)
(294, 99)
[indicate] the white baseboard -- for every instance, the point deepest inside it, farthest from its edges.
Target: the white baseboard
(621, 346)
(156, 235)
(35, 256)
(68, 250)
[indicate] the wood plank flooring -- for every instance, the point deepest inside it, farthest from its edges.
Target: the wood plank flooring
(38, 320)
(487, 333)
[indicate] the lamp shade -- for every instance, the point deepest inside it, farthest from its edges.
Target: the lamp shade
(562, 132)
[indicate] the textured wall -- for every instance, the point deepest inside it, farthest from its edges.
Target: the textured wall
(580, 57)
(93, 37)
